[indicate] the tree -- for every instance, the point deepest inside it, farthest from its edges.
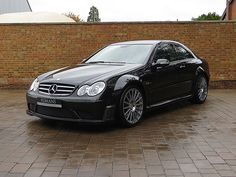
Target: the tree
(76, 18)
(209, 16)
(93, 15)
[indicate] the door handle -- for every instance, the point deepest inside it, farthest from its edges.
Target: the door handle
(182, 66)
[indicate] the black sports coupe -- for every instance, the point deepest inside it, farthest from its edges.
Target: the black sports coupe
(119, 82)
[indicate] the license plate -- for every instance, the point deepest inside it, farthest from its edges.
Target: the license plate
(49, 103)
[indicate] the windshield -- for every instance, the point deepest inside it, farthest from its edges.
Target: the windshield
(135, 54)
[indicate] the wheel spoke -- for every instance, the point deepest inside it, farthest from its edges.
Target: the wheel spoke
(130, 95)
(137, 97)
(202, 89)
(138, 112)
(125, 102)
(133, 105)
(127, 111)
(127, 107)
(131, 116)
(139, 109)
(133, 95)
(136, 116)
(139, 104)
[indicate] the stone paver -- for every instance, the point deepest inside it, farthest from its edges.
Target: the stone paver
(182, 140)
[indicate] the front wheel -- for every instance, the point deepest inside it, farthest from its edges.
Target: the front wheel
(131, 106)
(200, 90)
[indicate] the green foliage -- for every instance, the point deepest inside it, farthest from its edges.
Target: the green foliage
(93, 15)
(209, 16)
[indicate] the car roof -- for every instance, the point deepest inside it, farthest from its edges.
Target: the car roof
(147, 42)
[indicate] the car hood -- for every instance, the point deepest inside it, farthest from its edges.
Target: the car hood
(86, 73)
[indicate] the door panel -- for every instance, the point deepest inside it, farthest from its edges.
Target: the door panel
(172, 81)
(186, 69)
(184, 81)
(162, 80)
(164, 83)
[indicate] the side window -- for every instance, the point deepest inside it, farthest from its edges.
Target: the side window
(165, 51)
(182, 53)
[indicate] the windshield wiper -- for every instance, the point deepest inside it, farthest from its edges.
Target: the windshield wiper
(92, 62)
(114, 62)
(95, 62)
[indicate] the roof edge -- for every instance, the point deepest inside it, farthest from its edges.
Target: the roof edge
(29, 5)
(224, 13)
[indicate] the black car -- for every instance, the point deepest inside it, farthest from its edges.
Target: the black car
(119, 82)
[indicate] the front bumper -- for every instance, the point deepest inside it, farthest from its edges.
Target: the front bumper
(72, 109)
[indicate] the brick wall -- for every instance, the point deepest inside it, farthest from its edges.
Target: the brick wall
(232, 11)
(27, 50)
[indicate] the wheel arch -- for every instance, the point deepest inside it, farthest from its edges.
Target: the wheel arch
(201, 71)
(129, 80)
(123, 84)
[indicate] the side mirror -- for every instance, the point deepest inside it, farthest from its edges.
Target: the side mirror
(161, 63)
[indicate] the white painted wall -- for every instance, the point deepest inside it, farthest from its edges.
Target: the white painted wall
(35, 17)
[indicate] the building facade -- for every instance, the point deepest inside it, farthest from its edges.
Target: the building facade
(13, 6)
(230, 10)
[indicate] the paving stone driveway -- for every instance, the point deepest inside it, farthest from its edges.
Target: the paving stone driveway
(178, 140)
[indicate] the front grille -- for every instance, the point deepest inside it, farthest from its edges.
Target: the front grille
(65, 113)
(61, 89)
(55, 112)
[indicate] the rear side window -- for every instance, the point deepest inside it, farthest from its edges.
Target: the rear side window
(165, 51)
(182, 53)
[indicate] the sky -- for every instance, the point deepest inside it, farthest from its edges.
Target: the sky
(133, 10)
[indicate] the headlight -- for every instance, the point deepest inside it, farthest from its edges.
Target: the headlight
(34, 85)
(96, 88)
(92, 90)
(83, 90)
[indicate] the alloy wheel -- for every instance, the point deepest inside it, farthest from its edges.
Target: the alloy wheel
(202, 89)
(132, 105)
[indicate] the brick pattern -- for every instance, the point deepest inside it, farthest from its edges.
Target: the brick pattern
(232, 10)
(27, 50)
(181, 140)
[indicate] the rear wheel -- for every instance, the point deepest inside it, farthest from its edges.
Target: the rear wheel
(131, 106)
(200, 90)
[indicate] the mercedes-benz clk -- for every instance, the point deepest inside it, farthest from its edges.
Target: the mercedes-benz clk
(120, 82)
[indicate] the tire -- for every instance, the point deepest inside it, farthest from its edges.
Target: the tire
(200, 90)
(131, 106)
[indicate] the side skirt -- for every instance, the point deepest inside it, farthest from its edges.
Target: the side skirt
(169, 101)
